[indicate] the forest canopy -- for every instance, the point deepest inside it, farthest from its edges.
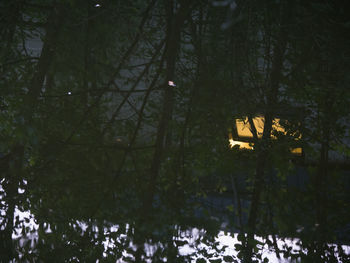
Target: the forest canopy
(123, 122)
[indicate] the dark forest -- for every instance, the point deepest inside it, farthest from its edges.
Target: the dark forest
(127, 126)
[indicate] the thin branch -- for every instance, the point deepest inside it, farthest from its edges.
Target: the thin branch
(18, 61)
(116, 112)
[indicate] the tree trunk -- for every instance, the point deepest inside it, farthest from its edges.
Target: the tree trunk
(173, 44)
(15, 160)
(174, 26)
(45, 60)
(263, 146)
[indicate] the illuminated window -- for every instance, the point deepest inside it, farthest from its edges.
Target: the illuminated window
(243, 136)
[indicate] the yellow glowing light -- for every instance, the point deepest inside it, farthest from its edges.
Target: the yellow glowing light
(297, 151)
(244, 131)
(242, 145)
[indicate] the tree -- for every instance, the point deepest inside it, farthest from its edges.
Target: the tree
(119, 116)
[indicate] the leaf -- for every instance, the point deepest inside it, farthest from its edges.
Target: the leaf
(238, 246)
(230, 208)
(241, 237)
(228, 259)
(181, 242)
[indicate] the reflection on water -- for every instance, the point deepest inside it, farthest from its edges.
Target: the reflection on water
(225, 241)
